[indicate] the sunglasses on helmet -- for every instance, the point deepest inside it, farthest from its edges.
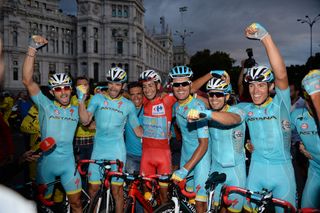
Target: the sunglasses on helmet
(217, 94)
(60, 88)
(183, 84)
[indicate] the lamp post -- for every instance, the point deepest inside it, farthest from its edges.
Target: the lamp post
(183, 36)
(310, 22)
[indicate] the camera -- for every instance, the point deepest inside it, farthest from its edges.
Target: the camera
(249, 62)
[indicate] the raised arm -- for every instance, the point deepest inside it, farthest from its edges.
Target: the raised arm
(85, 116)
(197, 84)
(36, 42)
(256, 31)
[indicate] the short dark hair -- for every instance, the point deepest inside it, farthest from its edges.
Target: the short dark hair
(82, 78)
(134, 84)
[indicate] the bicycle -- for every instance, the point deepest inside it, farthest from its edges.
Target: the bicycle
(264, 200)
(103, 200)
(214, 179)
(48, 205)
(134, 194)
(179, 199)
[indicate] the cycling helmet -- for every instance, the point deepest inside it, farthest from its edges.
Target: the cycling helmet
(219, 84)
(180, 71)
(148, 75)
(117, 75)
(59, 79)
(260, 74)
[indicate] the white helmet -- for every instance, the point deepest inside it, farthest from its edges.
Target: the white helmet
(259, 74)
(148, 75)
(116, 74)
(59, 79)
(219, 84)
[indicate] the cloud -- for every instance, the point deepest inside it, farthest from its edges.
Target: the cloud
(219, 25)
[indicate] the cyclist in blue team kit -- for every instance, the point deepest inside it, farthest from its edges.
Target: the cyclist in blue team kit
(58, 119)
(311, 84)
(227, 141)
(304, 121)
(268, 120)
(195, 160)
(111, 112)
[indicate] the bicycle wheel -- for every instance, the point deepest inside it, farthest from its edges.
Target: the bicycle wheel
(99, 201)
(167, 207)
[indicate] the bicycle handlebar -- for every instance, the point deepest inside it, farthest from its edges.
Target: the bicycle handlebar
(182, 187)
(101, 162)
(41, 191)
(255, 197)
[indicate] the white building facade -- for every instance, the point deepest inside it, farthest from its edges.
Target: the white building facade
(103, 34)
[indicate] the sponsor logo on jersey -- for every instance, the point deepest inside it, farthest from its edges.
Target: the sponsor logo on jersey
(105, 103)
(308, 133)
(56, 112)
(262, 118)
(304, 126)
(237, 134)
(54, 117)
(285, 125)
(250, 113)
(77, 181)
(158, 109)
(185, 108)
(119, 104)
(113, 109)
(71, 112)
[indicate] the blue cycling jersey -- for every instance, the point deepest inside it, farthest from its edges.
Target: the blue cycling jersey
(227, 142)
(306, 127)
(191, 132)
(133, 143)
(307, 130)
(111, 116)
(269, 127)
(57, 122)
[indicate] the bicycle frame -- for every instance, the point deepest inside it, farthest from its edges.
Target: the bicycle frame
(105, 165)
(259, 198)
(180, 199)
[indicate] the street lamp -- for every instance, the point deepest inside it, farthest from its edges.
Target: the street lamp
(310, 22)
(183, 36)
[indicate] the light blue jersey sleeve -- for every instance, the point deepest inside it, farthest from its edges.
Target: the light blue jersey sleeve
(94, 103)
(284, 97)
(40, 100)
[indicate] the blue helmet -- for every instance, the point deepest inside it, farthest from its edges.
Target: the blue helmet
(219, 84)
(259, 74)
(180, 71)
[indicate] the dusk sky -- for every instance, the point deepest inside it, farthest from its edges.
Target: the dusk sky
(218, 25)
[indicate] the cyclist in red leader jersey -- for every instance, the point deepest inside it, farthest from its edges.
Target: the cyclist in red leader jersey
(156, 156)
